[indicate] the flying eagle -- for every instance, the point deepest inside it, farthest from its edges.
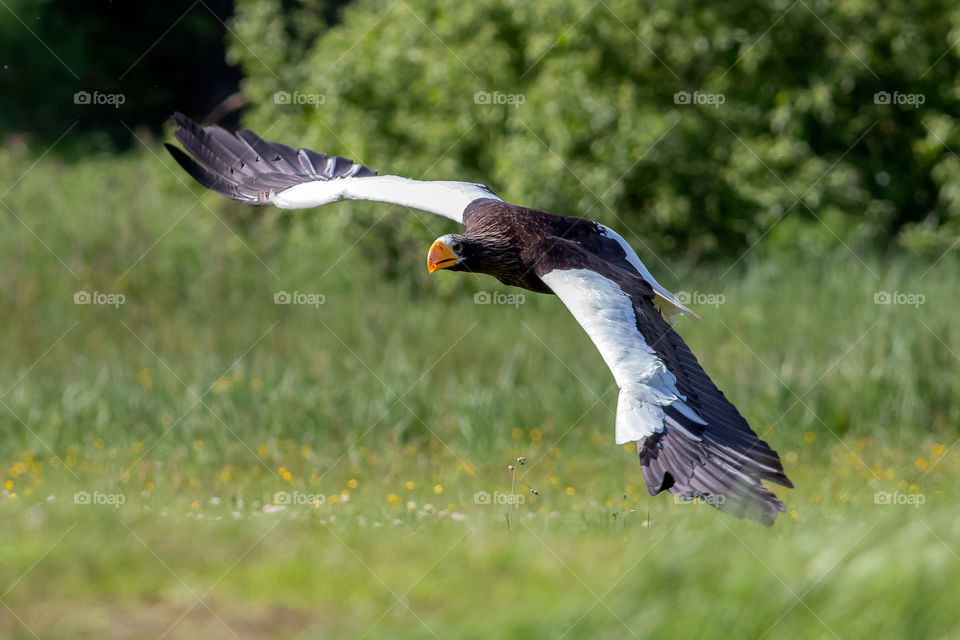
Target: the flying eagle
(691, 440)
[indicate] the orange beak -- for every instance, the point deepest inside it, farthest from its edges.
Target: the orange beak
(440, 257)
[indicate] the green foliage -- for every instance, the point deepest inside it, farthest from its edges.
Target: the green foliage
(799, 133)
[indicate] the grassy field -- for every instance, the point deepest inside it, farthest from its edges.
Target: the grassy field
(184, 458)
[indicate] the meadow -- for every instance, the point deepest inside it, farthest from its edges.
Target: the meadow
(185, 456)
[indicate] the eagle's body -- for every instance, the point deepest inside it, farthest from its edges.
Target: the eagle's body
(692, 441)
(520, 231)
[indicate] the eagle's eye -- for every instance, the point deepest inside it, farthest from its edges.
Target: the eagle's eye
(457, 248)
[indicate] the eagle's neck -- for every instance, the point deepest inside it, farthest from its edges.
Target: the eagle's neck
(502, 257)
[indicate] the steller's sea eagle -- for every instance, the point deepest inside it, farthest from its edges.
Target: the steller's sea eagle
(692, 441)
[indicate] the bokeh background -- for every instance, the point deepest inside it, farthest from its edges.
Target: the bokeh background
(183, 457)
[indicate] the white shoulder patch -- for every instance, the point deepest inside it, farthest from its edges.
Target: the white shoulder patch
(668, 304)
(606, 313)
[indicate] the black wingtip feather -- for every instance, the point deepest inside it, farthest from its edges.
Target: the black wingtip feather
(246, 168)
(196, 171)
(671, 461)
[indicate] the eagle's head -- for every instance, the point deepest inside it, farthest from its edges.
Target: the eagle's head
(453, 252)
(476, 254)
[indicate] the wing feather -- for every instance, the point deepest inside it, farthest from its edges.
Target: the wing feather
(692, 441)
(249, 169)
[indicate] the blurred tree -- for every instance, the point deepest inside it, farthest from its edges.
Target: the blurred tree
(140, 60)
(689, 126)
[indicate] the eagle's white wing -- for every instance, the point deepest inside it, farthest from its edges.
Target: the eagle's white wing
(247, 168)
(448, 199)
(606, 313)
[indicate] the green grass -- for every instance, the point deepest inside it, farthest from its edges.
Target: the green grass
(398, 400)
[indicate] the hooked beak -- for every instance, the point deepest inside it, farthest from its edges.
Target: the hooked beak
(441, 256)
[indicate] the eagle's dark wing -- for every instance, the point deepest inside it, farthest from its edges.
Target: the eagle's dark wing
(247, 168)
(254, 171)
(610, 246)
(692, 441)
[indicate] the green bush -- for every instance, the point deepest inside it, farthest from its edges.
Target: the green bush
(588, 120)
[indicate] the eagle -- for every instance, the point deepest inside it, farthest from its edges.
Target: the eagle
(691, 440)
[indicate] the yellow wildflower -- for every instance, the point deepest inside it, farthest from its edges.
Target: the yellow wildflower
(145, 378)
